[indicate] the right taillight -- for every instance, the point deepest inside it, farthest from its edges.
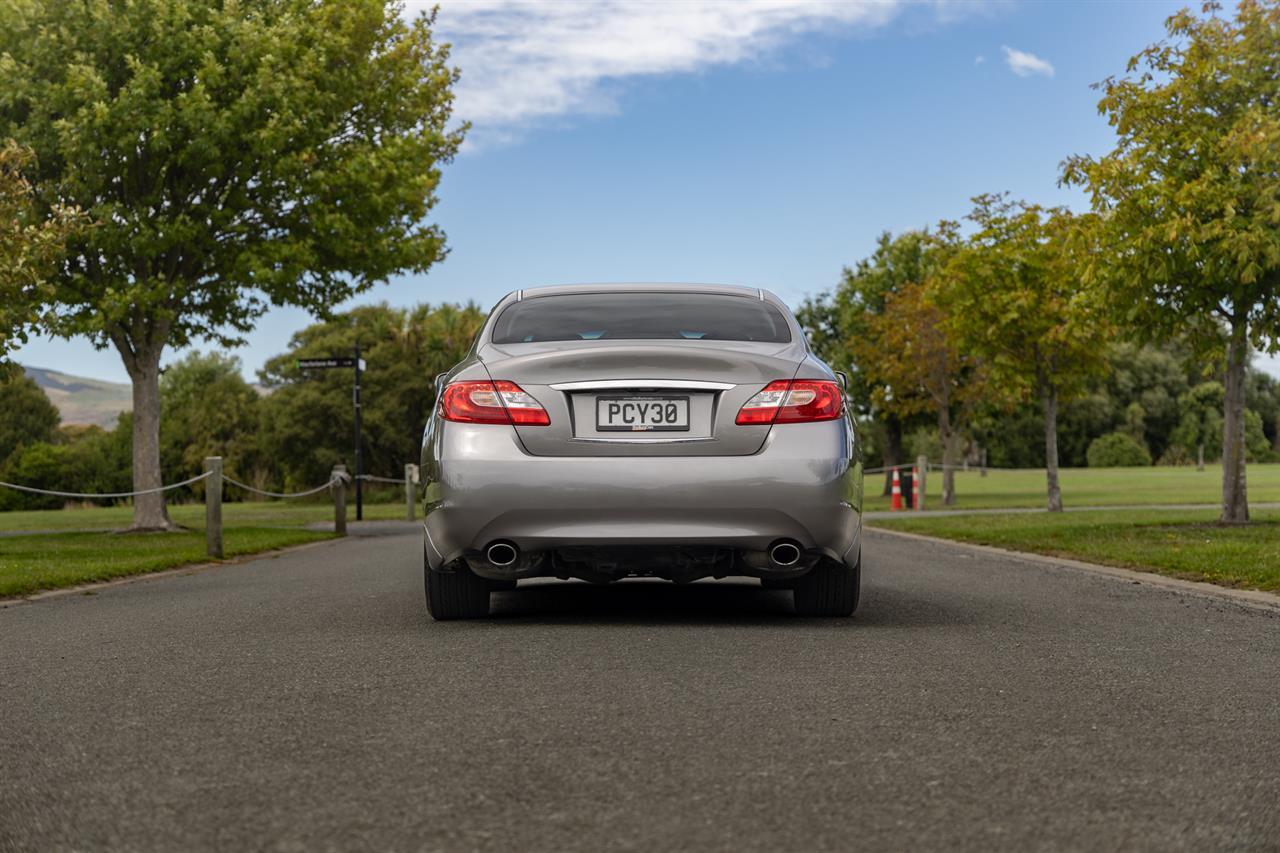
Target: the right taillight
(499, 402)
(793, 402)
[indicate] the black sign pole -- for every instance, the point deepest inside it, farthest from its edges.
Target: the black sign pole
(359, 453)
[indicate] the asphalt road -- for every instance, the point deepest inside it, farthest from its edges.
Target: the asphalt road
(306, 702)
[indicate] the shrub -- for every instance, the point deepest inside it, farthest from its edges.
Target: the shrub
(1176, 454)
(1117, 450)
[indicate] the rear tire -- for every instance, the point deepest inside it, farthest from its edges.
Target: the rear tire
(829, 589)
(459, 594)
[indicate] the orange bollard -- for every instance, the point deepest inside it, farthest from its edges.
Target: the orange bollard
(896, 503)
(915, 487)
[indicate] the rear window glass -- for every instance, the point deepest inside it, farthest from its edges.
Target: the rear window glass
(640, 316)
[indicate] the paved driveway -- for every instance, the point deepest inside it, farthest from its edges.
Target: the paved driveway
(305, 702)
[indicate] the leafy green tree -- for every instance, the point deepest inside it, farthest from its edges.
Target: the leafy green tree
(1257, 447)
(1189, 200)
(28, 415)
(836, 322)
(307, 419)
(207, 409)
(1263, 396)
(231, 157)
(1013, 300)
(922, 370)
(30, 246)
(40, 465)
(1199, 431)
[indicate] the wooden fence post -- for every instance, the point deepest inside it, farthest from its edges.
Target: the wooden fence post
(339, 479)
(922, 465)
(410, 493)
(213, 507)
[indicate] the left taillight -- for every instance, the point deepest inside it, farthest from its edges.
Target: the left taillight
(499, 402)
(796, 401)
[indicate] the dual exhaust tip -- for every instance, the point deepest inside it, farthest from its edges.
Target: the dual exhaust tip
(784, 553)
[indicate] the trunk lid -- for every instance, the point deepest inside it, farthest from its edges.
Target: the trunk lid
(708, 379)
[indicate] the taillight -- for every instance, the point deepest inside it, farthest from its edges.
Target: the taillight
(499, 402)
(795, 402)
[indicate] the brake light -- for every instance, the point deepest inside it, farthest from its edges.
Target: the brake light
(499, 402)
(795, 402)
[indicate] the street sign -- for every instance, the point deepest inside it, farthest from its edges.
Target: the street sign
(347, 361)
(331, 362)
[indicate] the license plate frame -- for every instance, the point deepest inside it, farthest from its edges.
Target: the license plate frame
(605, 425)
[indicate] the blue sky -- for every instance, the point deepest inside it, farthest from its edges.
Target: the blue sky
(761, 143)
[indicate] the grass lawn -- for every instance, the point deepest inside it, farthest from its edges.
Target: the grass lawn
(80, 546)
(50, 560)
(1181, 543)
(1088, 487)
(260, 514)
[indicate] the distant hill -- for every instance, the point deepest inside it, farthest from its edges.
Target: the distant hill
(81, 400)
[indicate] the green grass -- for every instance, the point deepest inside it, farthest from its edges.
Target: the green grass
(1088, 487)
(47, 561)
(261, 514)
(1180, 543)
(75, 546)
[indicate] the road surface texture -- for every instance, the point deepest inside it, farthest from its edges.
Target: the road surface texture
(305, 702)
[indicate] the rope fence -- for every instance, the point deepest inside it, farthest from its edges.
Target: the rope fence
(333, 480)
(105, 495)
(337, 484)
(938, 466)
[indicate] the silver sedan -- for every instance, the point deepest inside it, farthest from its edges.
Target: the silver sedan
(614, 431)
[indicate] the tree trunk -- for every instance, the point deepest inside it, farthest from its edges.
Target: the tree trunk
(948, 457)
(1200, 457)
(1235, 498)
(892, 450)
(1049, 396)
(142, 361)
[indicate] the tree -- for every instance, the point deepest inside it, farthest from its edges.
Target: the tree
(307, 418)
(836, 322)
(231, 156)
(921, 369)
(1199, 430)
(30, 247)
(29, 416)
(1189, 199)
(1013, 300)
(207, 409)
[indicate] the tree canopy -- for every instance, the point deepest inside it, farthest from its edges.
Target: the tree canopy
(1015, 302)
(1188, 201)
(231, 156)
(29, 416)
(30, 247)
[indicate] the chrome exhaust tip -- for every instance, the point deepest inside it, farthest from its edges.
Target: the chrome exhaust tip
(501, 554)
(784, 554)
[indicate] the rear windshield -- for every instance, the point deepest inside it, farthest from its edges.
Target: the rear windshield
(641, 316)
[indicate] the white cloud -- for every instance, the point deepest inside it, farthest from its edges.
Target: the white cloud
(526, 62)
(1025, 64)
(979, 59)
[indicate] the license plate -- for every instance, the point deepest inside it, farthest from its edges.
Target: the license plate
(642, 414)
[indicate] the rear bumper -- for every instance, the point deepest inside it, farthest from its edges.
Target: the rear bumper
(480, 486)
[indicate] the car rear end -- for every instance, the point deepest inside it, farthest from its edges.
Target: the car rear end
(620, 431)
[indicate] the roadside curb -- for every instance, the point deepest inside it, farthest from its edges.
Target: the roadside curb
(190, 569)
(1251, 598)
